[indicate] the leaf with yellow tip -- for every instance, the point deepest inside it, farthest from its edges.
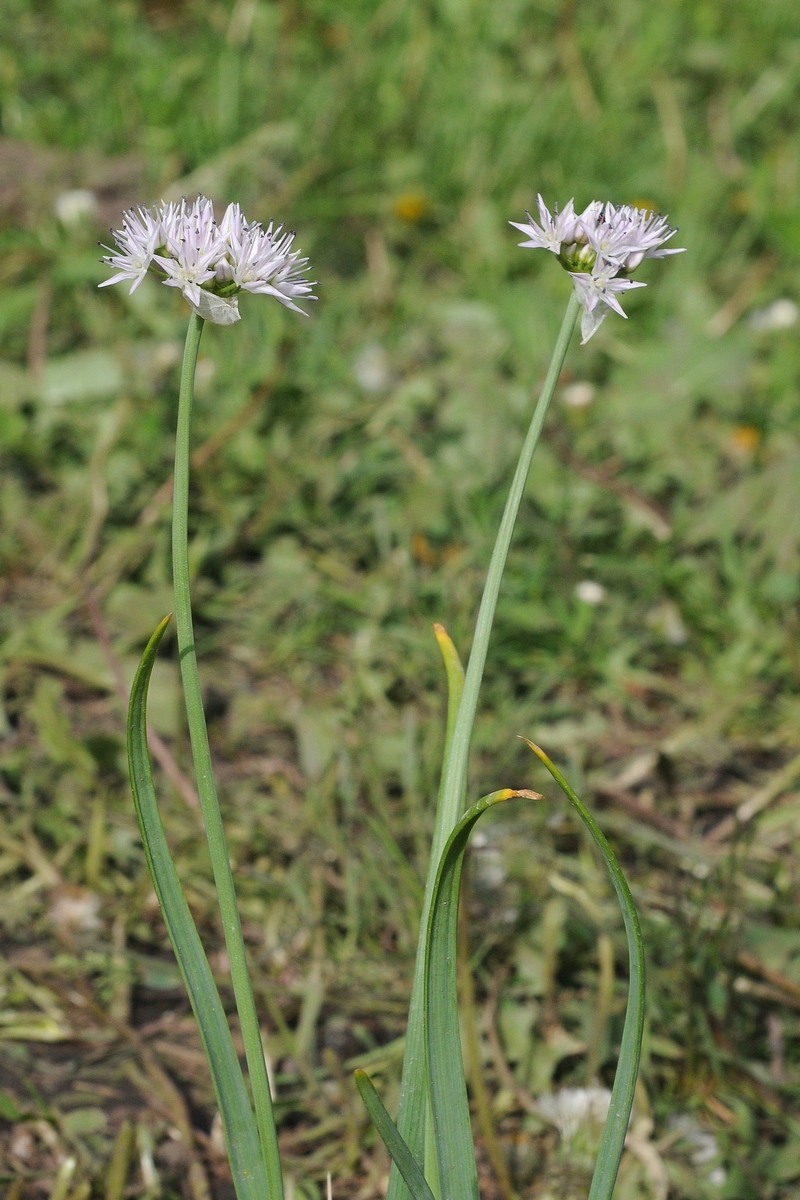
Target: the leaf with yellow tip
(451, 1121)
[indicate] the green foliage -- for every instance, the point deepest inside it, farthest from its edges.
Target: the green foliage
(615, 1129)
(401, 1155)
(241, 1135)
(448, 1090)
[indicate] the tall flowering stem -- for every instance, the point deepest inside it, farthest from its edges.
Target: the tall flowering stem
(201, 754)
(212, 265)
(412, 1114)
(600, 248)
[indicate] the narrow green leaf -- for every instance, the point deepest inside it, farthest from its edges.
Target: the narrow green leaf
(455, 682)
(613, 1141)
(241, 1134)
(402, 1157)
(414, 1117)
(448, 1090)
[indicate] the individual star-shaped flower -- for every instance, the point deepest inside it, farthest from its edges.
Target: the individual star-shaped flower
(137, 241)
(192, 248)
(601, 287)
(554, 230)
(262, 261)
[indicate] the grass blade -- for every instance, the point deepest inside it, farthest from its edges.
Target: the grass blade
(451, 1121)
(616, 1127)
(402, 1157)
(241, 1134)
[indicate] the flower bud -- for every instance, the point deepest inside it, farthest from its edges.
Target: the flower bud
(633, 261)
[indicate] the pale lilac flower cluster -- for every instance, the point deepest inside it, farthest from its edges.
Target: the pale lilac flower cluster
(599, 247)
(211, 264)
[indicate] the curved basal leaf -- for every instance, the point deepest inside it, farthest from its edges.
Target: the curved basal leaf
(414, 1117)
(241, 1135)
(451, 1121)
(616, 1127)
(402, 1157)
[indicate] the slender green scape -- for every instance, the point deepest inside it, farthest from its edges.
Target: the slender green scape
(201, 756)
(411, 1120)
(431, 1146)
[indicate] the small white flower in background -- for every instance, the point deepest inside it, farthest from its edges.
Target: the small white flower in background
(22, 1144)
(590, 592)
(599, 247)
(75, 909)
(571, 1108)
(490, 868)
(781, 314)
(210, 264)
(666, 619)
(575, 395)
(76, 207)
(701, 1145)
(371, 370)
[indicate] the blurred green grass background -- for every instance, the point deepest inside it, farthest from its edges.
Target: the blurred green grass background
(351, 475)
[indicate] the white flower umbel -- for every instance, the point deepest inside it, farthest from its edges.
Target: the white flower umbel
(211, 264)
(600, 247)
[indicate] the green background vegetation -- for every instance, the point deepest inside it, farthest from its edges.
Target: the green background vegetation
(355, 502)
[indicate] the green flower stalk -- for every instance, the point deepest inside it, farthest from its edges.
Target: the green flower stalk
(413, 1113)
(201, 755)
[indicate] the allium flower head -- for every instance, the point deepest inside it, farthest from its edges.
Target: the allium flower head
(211, 264)
(600, 248)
